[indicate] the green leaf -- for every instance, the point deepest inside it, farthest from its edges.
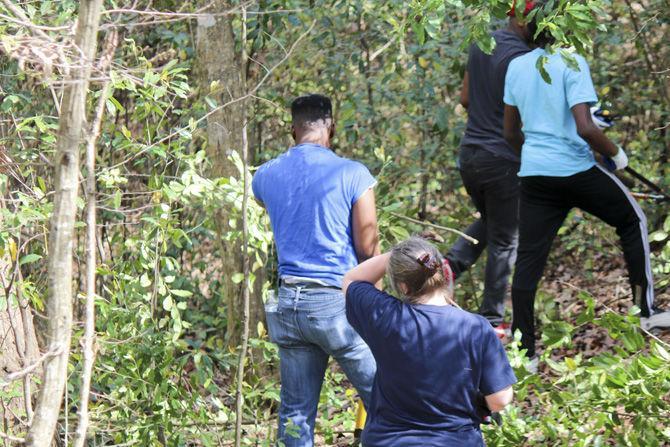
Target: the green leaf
(167, 303)
(181, 293)
(541, 62)
(27, 259)
(659, 236)
(210, 102)
(662, 352)
(237, 278)
(114, 103)
(144, 280)
(570, 60)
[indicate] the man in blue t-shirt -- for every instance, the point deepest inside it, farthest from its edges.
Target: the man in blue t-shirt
(488, 167)
(550, 123)
(322, 211)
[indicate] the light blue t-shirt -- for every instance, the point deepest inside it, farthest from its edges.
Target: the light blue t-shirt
(309, 193)
(552, 146)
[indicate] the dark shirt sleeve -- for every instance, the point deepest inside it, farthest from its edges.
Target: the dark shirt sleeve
(366, 307)
(497, 374)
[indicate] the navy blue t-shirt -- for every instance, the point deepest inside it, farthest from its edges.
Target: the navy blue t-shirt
(433, 362)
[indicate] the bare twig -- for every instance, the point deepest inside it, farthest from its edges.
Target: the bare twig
(383, 48)
(175, 16)
(9, 378)
(12, 438)
(23, 20)
(438, 227)
(88, 352)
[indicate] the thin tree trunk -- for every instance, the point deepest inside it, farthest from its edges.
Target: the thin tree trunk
(239, 401)
(61, 235)
(18, 341)
(88, 352)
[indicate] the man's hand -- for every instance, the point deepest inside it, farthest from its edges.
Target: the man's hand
(591, 133)
(431, 236)
(602, 118)
(465, 91)
(620, 160)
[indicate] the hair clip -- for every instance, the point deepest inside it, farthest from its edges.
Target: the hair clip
(428, 262)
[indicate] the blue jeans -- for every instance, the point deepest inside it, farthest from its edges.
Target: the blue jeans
(309, 325)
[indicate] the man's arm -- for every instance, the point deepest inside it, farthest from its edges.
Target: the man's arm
(512, 128)
(587, 129)
(465, 92)
(364, 228)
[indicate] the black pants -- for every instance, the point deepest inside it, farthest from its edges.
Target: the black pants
(493, 186)
(545, 202)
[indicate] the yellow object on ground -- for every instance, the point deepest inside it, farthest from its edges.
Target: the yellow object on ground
(361, 415)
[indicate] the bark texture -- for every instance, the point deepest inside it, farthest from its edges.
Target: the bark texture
(221, 76)
(61, 232)
(18, 341)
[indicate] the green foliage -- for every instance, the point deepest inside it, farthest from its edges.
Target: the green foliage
(617, 397)
(164, 369)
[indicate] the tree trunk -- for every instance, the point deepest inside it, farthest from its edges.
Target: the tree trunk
(221, 77)
(18, 350)
(61, 234)
(18, 341)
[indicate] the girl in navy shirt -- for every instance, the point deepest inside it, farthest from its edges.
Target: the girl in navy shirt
(434, 360)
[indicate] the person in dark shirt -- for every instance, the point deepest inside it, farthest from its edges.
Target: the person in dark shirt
(435, 361)
(488, 167)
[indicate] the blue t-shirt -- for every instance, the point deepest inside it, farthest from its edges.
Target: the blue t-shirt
(552, 146)
(433, 362)
(309, 192)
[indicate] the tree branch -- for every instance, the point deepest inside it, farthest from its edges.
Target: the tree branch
(439, 227)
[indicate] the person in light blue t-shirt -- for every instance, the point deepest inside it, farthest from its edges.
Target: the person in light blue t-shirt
(322, 212)
(551, 124)
(554, 147)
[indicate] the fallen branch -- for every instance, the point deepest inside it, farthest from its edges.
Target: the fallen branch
(438, 227)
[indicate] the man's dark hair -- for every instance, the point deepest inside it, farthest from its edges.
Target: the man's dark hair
(311, 109)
